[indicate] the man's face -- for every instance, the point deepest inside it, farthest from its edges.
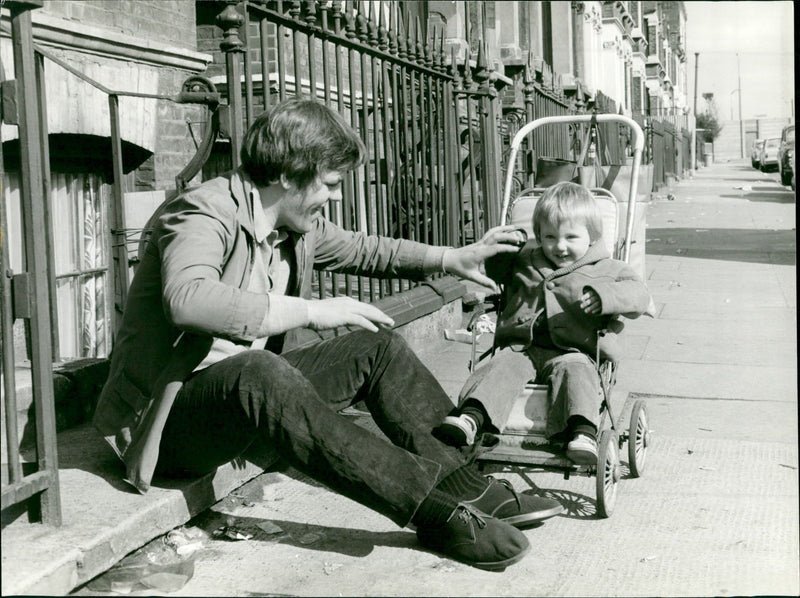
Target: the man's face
(299, 208)
(565, 243)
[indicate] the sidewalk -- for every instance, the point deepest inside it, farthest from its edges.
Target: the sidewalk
(716, 513)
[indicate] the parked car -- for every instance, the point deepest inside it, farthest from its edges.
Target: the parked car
(768, 159)
(755, 155)
(786, 155)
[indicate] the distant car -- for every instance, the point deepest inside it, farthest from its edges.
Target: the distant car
(786, 155)
(755, 155)
(768, 159)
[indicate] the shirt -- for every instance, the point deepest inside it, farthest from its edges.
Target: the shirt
(272, 273)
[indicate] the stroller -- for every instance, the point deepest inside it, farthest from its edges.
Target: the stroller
(522, 439)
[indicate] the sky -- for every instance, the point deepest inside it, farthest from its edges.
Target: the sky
(762, 33)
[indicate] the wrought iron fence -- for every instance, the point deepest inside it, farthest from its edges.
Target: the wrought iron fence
(413, 104)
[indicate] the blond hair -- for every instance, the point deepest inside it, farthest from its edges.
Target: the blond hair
(568, 202)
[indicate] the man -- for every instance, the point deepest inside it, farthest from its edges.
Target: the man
(208, 360)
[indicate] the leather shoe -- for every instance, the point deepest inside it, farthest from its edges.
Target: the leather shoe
(500, 500)
(476, 539)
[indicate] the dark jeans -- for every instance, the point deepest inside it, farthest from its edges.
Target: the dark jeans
(290, 402)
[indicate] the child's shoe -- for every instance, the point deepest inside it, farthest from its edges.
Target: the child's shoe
(457, 430)
(582, 450)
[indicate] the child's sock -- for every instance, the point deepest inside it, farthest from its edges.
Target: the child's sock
(463, 426)
(577, 424)
(457, 430)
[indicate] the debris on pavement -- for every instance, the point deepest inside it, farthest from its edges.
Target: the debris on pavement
(645, 559)
(462, 335)
(186, 540)
(231, 532)
(310, 538)
(328, 568)
(269, 528)
(483, 324)
(155, 566)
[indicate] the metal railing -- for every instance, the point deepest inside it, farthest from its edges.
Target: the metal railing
(30, 288)
(30, 294)
(412, 104)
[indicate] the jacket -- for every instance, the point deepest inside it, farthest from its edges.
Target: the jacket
(532, 288)
(190, 286)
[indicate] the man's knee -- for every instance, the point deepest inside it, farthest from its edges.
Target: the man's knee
(263, 373)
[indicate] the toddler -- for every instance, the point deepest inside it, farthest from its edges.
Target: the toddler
(557, 296)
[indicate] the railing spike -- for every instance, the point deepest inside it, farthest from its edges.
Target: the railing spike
(362, 29)
(383, 34)
(372, 26)
(392, 34)
(420, 50)
(467, 67)
(311, 12)
(436, 54)
(294, 9)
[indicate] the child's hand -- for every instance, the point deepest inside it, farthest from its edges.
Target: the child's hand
(590, 302)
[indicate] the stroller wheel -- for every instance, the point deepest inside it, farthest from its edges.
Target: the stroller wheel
(607, 476)
(638, 439)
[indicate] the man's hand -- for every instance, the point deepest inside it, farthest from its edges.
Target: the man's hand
(590, 302)
(465, 261)
(346, 311)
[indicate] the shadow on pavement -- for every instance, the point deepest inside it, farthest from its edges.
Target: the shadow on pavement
(768, 194)
(341, 540)
(733, 244)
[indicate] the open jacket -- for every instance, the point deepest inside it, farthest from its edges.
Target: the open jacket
(532, 288)
(190, 286)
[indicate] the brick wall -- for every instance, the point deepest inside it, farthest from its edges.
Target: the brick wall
(165, 21)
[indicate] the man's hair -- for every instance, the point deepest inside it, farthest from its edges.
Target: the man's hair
(299, 138)
(568, 202)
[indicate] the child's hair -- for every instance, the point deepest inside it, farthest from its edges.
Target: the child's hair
(568, 202)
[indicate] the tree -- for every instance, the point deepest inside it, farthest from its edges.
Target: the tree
(708, 120)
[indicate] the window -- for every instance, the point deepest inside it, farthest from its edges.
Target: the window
(84, 293)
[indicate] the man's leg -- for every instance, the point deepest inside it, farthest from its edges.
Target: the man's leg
(257, 395)
(402, 395)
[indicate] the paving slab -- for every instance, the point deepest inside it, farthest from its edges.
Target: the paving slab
(104, 518)
(711, 517)
(704, 380)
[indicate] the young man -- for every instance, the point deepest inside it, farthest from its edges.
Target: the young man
(208, 359)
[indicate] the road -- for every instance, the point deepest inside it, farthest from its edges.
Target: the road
(716, 512)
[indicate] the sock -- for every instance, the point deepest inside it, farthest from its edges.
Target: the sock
(464, 484)
(435, 509)
(475, 410)
(580, 425)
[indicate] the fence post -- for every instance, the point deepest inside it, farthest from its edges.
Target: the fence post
(230, 20)
(490, 177)
(31, 137)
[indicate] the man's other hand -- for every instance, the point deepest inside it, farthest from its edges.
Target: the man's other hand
(346, 311)
(465, 262)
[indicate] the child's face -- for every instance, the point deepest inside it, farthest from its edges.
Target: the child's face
(564, 243)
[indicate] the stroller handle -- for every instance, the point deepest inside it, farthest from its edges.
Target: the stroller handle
(638, 146)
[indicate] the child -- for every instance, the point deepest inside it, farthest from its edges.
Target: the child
(557, 296)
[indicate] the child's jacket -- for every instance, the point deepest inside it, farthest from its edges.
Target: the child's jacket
(532, 288)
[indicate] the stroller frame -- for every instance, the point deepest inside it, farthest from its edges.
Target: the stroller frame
(533, 449)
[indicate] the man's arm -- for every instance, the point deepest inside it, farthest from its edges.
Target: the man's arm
(358, 253)
(194, 239)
